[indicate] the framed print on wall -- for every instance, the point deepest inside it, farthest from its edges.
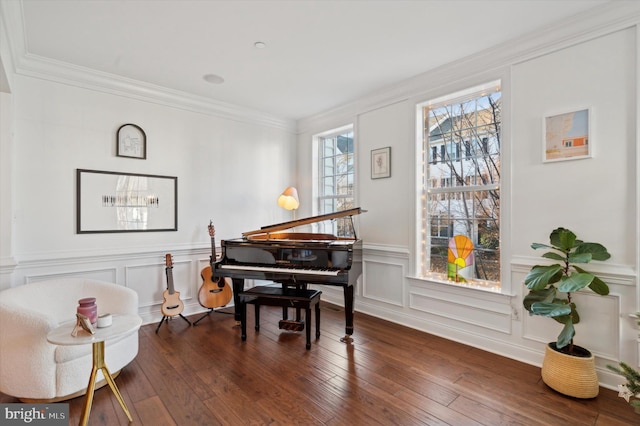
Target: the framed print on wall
(131, 142)
(381, 163)
(567, 136)
(125, 202)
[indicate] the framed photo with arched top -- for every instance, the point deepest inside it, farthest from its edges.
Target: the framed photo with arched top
(131, 142)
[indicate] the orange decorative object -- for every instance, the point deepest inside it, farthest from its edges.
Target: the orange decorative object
(460, 258)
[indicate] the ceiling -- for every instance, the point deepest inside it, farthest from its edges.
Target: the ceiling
(317, 55)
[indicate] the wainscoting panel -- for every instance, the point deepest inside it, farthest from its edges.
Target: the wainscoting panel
(143, 272)
(383, 282)
(462, 309)
(598, 329)
(107, 274)
(150, 281)
(601, 327)
(605, 321)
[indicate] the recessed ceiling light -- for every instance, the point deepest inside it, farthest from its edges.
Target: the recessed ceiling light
(213, 79)
(259, 45)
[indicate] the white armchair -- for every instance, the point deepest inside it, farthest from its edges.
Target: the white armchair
(33, 369)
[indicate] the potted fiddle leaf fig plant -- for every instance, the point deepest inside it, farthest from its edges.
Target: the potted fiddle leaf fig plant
(567, 368)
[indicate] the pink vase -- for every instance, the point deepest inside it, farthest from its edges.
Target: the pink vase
(89, 309)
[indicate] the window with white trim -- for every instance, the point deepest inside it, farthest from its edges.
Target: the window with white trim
(336, 178)
(460, 204)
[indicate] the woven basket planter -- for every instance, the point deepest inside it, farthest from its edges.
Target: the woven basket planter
(570, 375)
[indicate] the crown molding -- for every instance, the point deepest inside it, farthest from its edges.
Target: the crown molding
(596, 22)
(51, 70)
(30, 65)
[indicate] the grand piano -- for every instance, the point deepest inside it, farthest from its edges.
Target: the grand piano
(295, 259)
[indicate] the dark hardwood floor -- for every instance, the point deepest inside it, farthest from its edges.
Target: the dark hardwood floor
(390, 375)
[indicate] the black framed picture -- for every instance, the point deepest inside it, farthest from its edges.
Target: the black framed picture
(125, 202)
(131, 142)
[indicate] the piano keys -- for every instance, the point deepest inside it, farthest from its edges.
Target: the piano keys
(295, 259)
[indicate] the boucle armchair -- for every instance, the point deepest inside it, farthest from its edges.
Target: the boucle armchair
(33, 369)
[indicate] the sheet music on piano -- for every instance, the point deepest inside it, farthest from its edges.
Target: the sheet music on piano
(295, 259)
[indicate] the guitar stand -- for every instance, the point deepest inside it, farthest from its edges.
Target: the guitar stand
(167, 318)
(209, 312)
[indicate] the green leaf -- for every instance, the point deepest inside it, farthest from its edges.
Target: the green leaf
(597, 251)
(544, 295)
(576, 281)
(573, 317)
(563, 238)
(554, 256)
(550, 309)
(566, 335)
(599, 286)
(540, 276)
(580, 257)
(536, 246)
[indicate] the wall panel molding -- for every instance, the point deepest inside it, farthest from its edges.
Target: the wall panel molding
(462, 310)
(612, 274)
(102, 274)
(383, 281)
(142, 271)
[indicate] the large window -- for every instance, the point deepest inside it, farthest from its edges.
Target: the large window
(460, 208)
(336, 173)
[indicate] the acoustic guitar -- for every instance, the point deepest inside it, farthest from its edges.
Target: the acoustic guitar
(172, 304)
(214, 291)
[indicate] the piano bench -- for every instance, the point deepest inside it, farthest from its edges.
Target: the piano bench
(287, 297)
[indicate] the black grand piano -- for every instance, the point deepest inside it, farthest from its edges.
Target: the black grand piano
(295, 259)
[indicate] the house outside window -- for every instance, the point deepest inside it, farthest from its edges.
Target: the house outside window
(336, 179)
(461, 188)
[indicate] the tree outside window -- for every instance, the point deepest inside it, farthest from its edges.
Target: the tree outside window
(461, 184)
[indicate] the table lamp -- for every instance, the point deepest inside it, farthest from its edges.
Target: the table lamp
(289, 200)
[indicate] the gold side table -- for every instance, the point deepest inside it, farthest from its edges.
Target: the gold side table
(122, 325)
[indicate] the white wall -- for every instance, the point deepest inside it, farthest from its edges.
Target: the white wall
(597, 198)
(591, 63)
(6, 166)
(230, 170)
(225, 168)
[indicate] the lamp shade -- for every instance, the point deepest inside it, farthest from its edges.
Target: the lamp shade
(289, 199)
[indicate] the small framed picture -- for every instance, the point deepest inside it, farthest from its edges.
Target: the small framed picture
(131, 142)
(82, 323)
(567, 136)
(381, 163)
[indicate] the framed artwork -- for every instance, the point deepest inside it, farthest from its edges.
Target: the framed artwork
(381, 163)
(567, 136)
(131, 142)
(125, 202)
(82, 323)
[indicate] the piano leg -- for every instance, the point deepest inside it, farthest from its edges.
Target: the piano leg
(238, 287)
(348, 313)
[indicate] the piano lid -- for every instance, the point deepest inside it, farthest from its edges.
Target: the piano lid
(293, 236)
(313, 219)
